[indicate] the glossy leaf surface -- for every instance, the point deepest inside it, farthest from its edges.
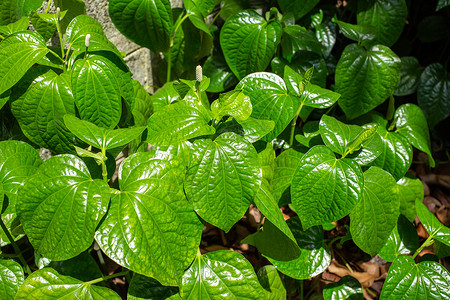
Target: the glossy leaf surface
(407, 280)
(235, 104)
(19, 25)
(11, 274)
(365, 78)
(222, 78)
(270, 279)
(348, 287)
(409, 190)
(47, 283)
(60, 207)
(410, 72)
(432, 225)
(297, 38)
(314, 257)
(143, 104)
(221, 274)
(357, 33)
(285, 165)
(45, 24)
(325, 189)
(248, 42)
(150, 228)
(223, 179)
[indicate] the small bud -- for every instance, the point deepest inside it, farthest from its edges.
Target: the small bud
(198, 73)
(87, 40)
(58, 13)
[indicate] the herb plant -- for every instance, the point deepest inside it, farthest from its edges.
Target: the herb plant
(299, 104)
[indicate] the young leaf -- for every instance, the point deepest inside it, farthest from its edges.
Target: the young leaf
(375, 215)
(215, 274)
(12, 277)
(325, 189)
(403, 240)
(45, 24)
(409, 190)
(18, 53)
(223, 179)
(432, 225)
(47, 283)
(433, 93)
(348, 287)
(60, 207)
(153, 27)
(150, 205)
(74, 8)
(407, 280)
(365, 78)
(101, 138)
(270, 279)
(178, 122)
(410, 72)
(411, 123)
(387, 16)
(314, 257)
(270, 100)
(248, 42)
(235, 104)
(142, 288)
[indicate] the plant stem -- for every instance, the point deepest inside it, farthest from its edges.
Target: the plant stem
(58, 28)
(391, 108)
(56, 55)
(172, 38)
(294, 121)
(48, 6)
(16, 248)
(104, 169)
(169, 64)
(301, 289)
(427, 242)
(104, 278)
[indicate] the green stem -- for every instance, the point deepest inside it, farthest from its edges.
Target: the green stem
(48, 6)
(56, 55)
(58, 28)
(169, 63)
(197, 91)
(301, 289)
(16, 248)
(104, 169)
(427, 242)
(172, 38)
(391, 108)
(104, 278)
(294, 121)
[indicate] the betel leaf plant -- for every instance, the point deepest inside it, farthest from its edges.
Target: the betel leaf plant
(301, 105)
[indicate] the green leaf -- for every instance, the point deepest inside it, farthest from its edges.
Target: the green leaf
(432, 225)
(375, 215)
(347, 287)
(407, 280)
(95, 86)
(234, 103)
(409, 190)
(178, 122)
(143, 104)
(165, 95)
(285, 165)
(410, 72)
(19, 25)
(13, 10)
(40, 111)
(74, 8)
(298, 7)
(82, 25)
(297, 38)
(82, 267)
(365, 78)
(19, 52)
(99, 137)
(45, 24)
(47, 283)
(223, 179)
(248, 42)
(441, 4)
(11, 274)
(326, 34)
(270, 279)
(403, 240)
(214, 276)
(196, 16)
(317, 97)
(325, 189)
(270, 100)
(53, 207)
(251, 129)
(433, 93)
(142, 287)
(314, 257)
(12, 223)
(150, 205)
(146, 22)
(412, 124)
(357, 33)
(387, 16)
(222, 78)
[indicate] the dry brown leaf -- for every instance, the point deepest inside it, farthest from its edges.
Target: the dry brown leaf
(438, 179)
(431, 203)
(443, 214)
(366, 278)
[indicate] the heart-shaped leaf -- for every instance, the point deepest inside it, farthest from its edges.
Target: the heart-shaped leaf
(142, 288)
(145, 22)
(11, 274)
(325, 189)
(150, 204)
(45, 24)
(235, 104)
(60, 207)
(433, 93)
(299, 7)
(409, 190)
(387, 16)
(223, 179)
(47, 283)
(432, 225)
(412, 124)
(19, 52)
(248, 42)
(270, 279)
(407, 280)
(403, 240)
(214, 275)
(410, 72)
(347, 287)
(178, 122)
(365, 78)
(314, 257)
(270, 100)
